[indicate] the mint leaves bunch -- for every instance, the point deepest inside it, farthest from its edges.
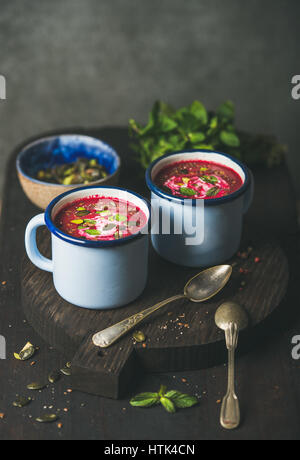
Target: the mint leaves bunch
(194, 127)
(170, 400)
(189, 127)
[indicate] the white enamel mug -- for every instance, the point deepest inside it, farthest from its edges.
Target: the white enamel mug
(93, 274)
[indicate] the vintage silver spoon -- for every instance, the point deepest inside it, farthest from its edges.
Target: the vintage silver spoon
(198, 289)
(231, 318)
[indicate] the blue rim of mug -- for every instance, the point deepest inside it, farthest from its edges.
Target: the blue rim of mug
(87, 243)
(211, 201)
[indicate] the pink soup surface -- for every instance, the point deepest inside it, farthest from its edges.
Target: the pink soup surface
(100, 218)
(198, 179)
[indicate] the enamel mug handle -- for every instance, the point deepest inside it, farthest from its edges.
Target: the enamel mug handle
(249, 193)
(30, 244)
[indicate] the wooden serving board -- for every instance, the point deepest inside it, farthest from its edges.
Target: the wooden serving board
(180, 337)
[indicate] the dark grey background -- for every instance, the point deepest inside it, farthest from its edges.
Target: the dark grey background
(100, 62)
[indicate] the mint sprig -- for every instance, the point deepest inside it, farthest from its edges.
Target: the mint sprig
(145, 400)
(194, 127)
(170, 400)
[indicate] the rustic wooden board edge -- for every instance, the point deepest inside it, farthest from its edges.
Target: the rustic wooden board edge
(115, 380)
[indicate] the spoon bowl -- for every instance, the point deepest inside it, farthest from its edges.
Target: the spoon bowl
(230, 312)
(207, 283)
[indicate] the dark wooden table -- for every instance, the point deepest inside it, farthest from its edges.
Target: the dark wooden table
(268, 377)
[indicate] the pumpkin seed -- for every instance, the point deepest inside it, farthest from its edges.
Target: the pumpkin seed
(139, 336)
(21, 401)
(26, 353)
(66, 371)
(78, 172)
(54, 376)
(36, 386)
(93, 231)
(28, 345)
(47, 418)
(77, 221)
(82, 213)
(90, 222)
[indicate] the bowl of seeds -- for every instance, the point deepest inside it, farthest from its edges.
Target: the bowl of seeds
(56, 164)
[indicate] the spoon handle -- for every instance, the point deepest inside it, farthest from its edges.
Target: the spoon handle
(230, 411)
(111, 334)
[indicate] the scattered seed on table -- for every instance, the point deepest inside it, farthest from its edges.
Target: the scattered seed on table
(26, 353)
(21, 401)
(47, 418)
(66, 371)
(54, 376)
(36, 386)
(139, 336)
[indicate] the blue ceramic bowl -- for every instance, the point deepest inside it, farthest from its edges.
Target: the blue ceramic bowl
(198, 233)
(62, 149)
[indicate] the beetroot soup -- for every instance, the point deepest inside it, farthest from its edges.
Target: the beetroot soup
(198, 179)
(100, 218)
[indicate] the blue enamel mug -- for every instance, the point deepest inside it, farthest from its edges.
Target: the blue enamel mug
(93, 274)
(198, 232)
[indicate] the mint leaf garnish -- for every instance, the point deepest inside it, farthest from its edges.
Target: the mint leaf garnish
(168, 404)
(213, 191)
(145, 400)
(187, 191)
(93, 231)
(170, 400)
